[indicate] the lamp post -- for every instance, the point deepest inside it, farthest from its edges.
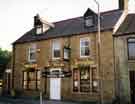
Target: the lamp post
(8, 72)
(41, 93)
(100, 73)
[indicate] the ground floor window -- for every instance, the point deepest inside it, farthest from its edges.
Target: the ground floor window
(85, 79)
(31, 80)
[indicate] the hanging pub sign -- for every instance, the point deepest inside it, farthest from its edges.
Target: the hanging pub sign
(56, 74)
(66, 53)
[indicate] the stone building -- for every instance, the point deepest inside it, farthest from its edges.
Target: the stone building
(67, 56)
(124, 43)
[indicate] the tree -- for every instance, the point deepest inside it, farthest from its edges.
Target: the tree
(5, 57)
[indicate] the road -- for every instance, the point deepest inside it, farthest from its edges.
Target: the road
(32, 101)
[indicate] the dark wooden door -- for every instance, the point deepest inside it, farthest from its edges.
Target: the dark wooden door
(132, 86)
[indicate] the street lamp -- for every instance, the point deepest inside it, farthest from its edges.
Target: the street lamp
(99, 56)
(8, 72)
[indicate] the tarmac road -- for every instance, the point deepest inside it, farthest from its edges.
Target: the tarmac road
(9, 100)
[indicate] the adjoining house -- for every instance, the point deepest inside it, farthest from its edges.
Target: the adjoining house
(66, 54)
(124, 43)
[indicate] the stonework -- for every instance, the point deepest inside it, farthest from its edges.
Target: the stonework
(44, 59)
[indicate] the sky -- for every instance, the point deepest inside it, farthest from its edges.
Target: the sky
(16, 16)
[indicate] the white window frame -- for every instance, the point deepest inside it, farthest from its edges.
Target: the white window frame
(32, 49)
(84, 39)
(89, 21)
(54, 48)
(39, 30)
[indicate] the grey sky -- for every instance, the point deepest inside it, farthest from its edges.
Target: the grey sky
(16, 16)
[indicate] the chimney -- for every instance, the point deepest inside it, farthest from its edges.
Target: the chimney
(123, 5)
(37, 20)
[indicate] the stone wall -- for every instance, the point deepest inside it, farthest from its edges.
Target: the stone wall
(121, 67)
(44, 53)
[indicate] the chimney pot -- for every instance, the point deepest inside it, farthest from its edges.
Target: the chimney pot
(37, 20)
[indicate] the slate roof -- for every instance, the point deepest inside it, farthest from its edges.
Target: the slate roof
(127, 27)
(71, 27)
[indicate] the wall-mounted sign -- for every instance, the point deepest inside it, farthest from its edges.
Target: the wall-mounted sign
(56, 74)
(30, 65)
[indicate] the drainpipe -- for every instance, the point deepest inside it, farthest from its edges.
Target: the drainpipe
(13, 66)
(116, 73)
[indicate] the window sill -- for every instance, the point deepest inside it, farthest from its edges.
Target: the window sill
(81, 57)
(31, 61)
(85, 93)
(131, 61)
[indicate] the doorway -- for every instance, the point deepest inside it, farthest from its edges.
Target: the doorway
(55, 87)
(132, 86)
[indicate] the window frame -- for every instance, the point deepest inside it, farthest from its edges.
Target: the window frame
(32, 49)
(87, 19)
(35, 81)
(93, 77)
(37, 29)
(66, 53)
(54, 48)
(84, 39)
(76, 80)
(129, 58)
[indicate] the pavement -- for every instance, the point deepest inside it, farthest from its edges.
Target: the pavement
(8, 100)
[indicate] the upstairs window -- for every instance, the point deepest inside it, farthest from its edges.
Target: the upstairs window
(32, 53)
(131, 48)
(89, 21)
(56, 49)
(66, 53)
(84, 47)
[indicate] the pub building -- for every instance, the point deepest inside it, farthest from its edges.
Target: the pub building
(61, 59)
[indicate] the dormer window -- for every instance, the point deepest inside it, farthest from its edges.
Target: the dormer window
(39, 29)
(89, 21)
(90, 18)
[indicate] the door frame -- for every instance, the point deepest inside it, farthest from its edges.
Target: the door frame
(54, 69)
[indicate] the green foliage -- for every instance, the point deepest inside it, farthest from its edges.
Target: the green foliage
(5, 57)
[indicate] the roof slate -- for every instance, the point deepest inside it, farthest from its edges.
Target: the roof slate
(127, 27)
(71, 27)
